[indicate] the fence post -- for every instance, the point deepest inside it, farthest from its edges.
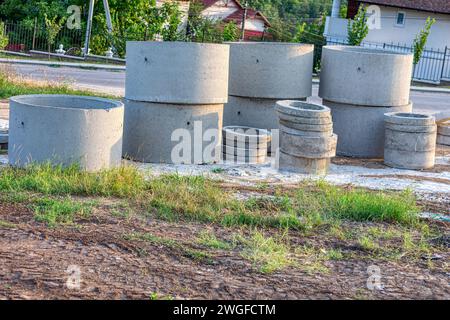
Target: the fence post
(34, 34)
(443, 62)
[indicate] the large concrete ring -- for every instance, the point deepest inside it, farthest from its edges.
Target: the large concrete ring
(177, 72)
(64, 130)
(271, 70)
(361, 129)
(443, 137)
(410, 141)
(305, 118)
(251, 112)
(366, 77)
(170, 133)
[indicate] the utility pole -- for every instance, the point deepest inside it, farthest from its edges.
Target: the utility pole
(89, 27)
(89, 23)
(108, 16)
(244, 17)
(336, 9)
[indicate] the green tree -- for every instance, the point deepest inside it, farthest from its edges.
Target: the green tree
(201, 29)
(26, 10)
(53, 26)
(231, 32)
(421, 40)
(312, 33)
(195, 20)
(3, 37)
(358, 28)
(139, 20)
(171, 14)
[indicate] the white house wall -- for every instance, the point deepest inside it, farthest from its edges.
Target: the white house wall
(415, 21)
(254, 25)
(403, 35)
(220, 10)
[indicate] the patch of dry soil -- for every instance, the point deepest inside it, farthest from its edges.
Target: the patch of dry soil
(34, 260)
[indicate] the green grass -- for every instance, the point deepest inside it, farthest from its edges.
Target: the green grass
(218, 170)
(121, 210)
(192, 198)
(368, 243)
(198, 199)
(334, 254)
(55, 180)
(15, 197)
(268, 254)
(358, 204)
(11, 85)
(156, 296)
(59, 211)
(311, 259)
(210, 240)
(6, 224)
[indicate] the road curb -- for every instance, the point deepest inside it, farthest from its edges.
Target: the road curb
(90, 66)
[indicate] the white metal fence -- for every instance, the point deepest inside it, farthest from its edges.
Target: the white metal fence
(433, 67)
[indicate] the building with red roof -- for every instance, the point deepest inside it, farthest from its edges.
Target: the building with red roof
(256, 24)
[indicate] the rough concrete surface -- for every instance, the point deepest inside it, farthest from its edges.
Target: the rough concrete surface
(365, 77)
(65, 130)
(271, 70)
(303, 165)
(360, 128)
(410, 141)
(245, 145)
(444, 132)
(177, 72)
(250, 112)
(149, 127)
(307, 141)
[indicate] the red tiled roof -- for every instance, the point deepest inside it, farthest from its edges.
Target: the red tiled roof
(208, 3)
(237, 15)
(437, 6)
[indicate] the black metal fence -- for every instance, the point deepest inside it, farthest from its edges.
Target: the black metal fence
(26, 37)
(433, 67)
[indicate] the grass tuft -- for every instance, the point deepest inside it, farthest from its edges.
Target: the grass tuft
(55, 211)
(358, 204)
(210, 240)
(178, 197)
(6, 225)
(56, 180)
(267, 253)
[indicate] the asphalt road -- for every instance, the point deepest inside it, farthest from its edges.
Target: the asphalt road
(113, 82)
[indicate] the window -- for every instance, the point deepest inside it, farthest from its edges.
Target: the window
(401, 17)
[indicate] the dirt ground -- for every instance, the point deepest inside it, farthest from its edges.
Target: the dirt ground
(35, 259)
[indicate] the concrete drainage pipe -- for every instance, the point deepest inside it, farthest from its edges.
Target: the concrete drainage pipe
(443, 137)
(63, 129)
(263, 73)
(245, 145)
(307, 142)
(410, 141)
